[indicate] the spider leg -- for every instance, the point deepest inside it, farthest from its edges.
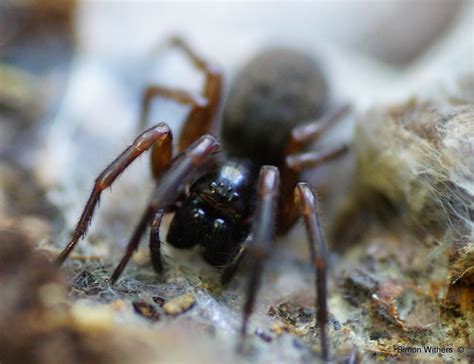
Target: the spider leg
(150, 137)
(167, 191)
(161, 156)
(197, 102)
(212, 92)
(307, 202)
(230, 269)
(303, 134)
(300, 136)
(294, 164)
(298, 162)
(150, 217)
(263, 232)
(155, 242)
(133, 243)
(203, 108)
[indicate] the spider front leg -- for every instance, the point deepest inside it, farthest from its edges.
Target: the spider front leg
(155, 242)
(307, 202)
(153, 136)
(164, 197)
(263, 231)
(231, 268)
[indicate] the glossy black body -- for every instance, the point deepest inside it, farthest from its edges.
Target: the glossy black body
(216, 212)
(276, 91)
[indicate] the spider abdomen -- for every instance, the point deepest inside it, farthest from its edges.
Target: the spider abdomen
(274, 92)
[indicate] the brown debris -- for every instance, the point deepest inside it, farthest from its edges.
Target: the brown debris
(146, 310)
(21, 195)
(179, 304)
(359, 286)
(263, 335)
(32, 16)
(461, 277)
(159, 300)
(295, 313)
(277, 329)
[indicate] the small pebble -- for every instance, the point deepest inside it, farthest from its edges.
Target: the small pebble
(262, 335)
(277, 329)
(297, 344)
(179, 304)
(272, 311)
(118, 305)
(146, 310)
(159, 301)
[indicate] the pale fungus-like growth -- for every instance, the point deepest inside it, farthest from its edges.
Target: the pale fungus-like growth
(420, 156)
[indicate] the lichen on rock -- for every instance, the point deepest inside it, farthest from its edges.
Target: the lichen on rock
(407, 229)
(420, 156)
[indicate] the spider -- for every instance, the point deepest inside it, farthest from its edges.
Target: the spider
(233, 203)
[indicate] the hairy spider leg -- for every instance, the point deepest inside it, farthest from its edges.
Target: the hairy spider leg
(198, 122)
(155, 241)
(263, 232)
(203, 107)
(167, 191)
(305, 199)
(308, 206)
(154, 135)
(295, 160)
(231, 268)
(313, 159)
(303, 134)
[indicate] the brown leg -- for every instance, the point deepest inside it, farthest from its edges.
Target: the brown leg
(133, 243)
(298, 162)
(161, 156)
(155, 242)
(307, 202)
(194, 128)
(287, 211)
(263, 233)
(143, 142)
(170, 186)
(303, 134)
(167, 191)
(299, 138)
(197, 102)
(204, 107)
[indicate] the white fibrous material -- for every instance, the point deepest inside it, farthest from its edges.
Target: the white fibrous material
(420, 157)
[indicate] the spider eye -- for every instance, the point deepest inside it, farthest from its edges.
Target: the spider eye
(198, 214)
(219, 224)
(213, 187)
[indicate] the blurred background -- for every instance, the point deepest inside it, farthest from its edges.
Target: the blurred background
(72, 74)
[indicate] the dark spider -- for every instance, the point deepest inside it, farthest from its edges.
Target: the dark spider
(273, 112)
